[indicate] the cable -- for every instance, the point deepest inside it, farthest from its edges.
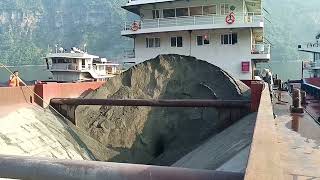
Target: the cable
(64, 119)
(32, 92)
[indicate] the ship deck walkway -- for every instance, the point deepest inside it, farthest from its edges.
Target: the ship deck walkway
(299, 141)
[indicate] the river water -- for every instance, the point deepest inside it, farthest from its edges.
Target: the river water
(285, 70)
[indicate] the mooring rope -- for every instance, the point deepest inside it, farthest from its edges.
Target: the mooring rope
(64, 119)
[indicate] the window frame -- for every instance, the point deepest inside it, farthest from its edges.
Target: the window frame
(153, 40)
(230, 39)
(162, 11)
(175, 12)
(196, 7)
(176, 44)
(154, 13)
(224, 9)
(203, 40)
(208, 6)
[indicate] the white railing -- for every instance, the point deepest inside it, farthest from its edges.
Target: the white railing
(62, 66)
(193, 20)
(261, 49)
(315, 65)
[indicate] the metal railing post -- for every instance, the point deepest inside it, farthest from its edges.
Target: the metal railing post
(194, 20)
(15, 167)
(244, 17)
(159, 23)
(253, 17)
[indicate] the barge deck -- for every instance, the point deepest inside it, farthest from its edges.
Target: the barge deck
(298, 139)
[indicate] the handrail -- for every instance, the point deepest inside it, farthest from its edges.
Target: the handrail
(264, 157)
(262, 48)
(193, 20)
(155, 102)
(18, 167)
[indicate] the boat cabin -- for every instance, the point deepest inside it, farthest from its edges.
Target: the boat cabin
(80, 66)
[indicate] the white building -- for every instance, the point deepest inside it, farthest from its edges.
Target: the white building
(226, 33)
(79, 67)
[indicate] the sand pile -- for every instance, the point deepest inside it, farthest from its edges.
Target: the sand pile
(160, 136)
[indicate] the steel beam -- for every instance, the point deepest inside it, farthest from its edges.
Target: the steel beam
(154, 103)
(38, 168)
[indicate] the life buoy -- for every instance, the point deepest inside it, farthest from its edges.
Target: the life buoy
(231, 18)
(135, 26)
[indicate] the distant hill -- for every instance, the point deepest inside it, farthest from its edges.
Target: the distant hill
(27, 27)
(292, 22)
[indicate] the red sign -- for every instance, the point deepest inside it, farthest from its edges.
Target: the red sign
(245, 66)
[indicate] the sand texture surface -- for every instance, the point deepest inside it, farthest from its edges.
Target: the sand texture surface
(161, 136)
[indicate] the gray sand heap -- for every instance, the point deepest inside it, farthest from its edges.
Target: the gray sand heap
(161, 136)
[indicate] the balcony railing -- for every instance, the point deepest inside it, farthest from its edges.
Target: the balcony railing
(62, 66)
(261, 49)
(315, 65)
(72, 67)
(193, 20)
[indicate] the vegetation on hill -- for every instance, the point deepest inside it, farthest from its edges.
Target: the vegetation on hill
(30, 28)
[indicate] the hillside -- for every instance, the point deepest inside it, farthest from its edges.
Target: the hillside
(28, 27)
(292, 22)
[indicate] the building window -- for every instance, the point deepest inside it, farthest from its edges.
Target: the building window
(156, 42)
(152, 42)
(169, 13)
(210, 10)
(316, 56)
(196, 11)
(229, 38)
(60, 61)
(155, 14)
(176, 41)
(203, 40)
(224, 9)
(182, 12)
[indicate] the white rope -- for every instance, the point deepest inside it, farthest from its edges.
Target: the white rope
(32, 92)
(74, 135)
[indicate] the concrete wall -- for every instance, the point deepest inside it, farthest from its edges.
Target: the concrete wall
(264, 155)
(228, 57)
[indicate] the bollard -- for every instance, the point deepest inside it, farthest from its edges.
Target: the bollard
(296, 102)
(279, 96)
(291, 88)
(280, 88)
(296, 98)
(303, 98)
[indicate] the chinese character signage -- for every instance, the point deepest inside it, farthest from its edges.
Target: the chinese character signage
(245, 66)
